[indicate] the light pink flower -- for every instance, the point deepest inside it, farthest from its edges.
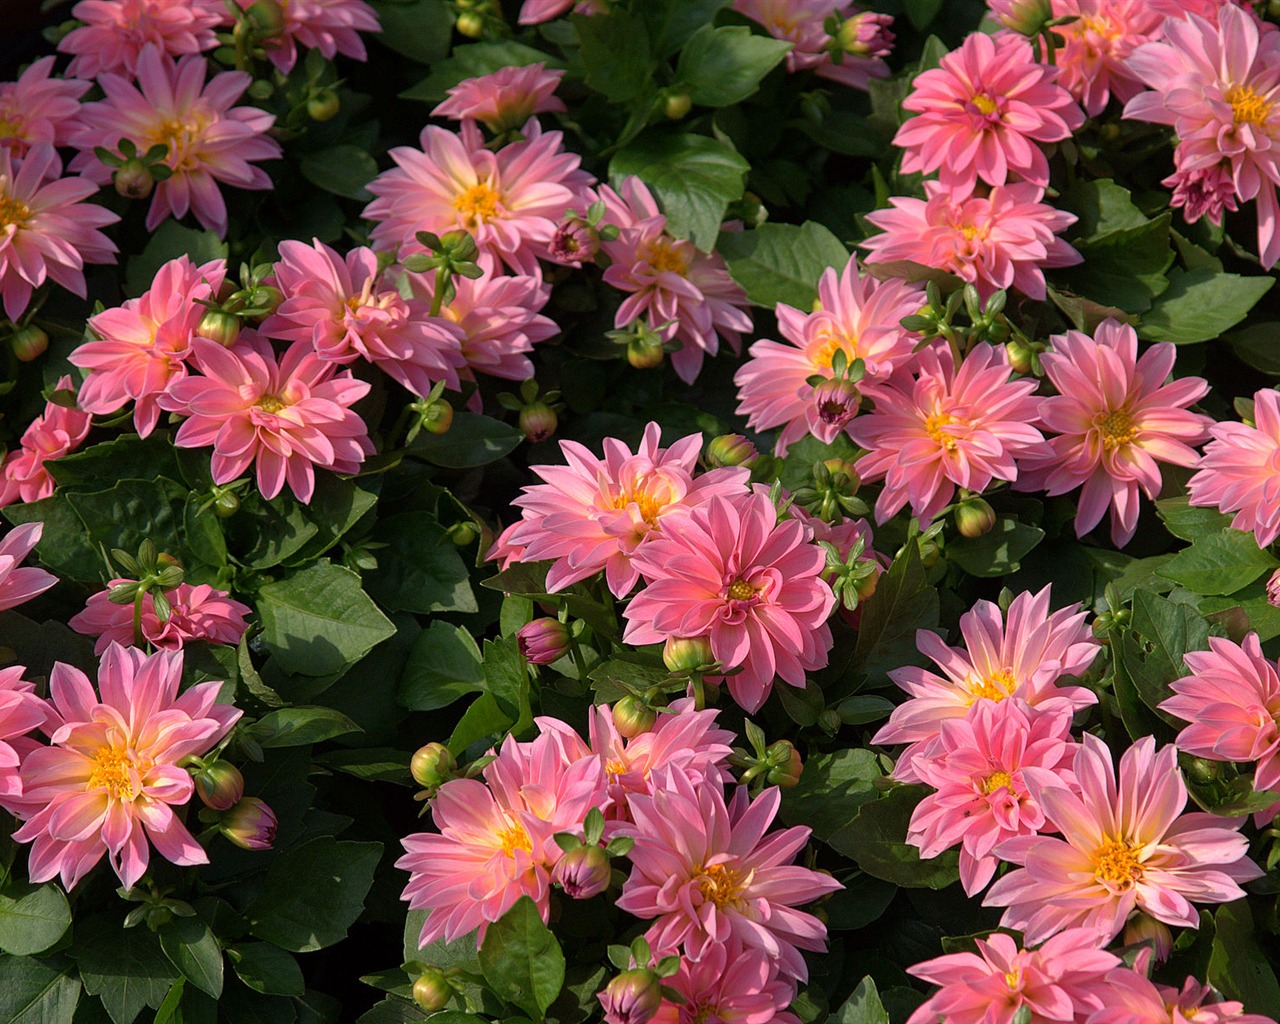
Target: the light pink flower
(727, 986)
(858, 316)
(1123, 849)
(1134, 999)
(1023, 657)
(596, 514)
(976, 767)
(53, 434)
(1240, 470)
(495, 843)
(728, 570)
(114, 34)
(198, 613)
(1093, 49)
(1115, 419)
(145, 343)
(1063, 981)
(1209, 10)
(111, 777)
(208, 139)
(803, 24)
(1218, 86)
(535, 12)
(949, 428)
(983, 113)
(331, 26)
(505, 99)
(19, 583)
(510, 201)
(47, 231)
(21, 713)
(288, 416)
(39, 108)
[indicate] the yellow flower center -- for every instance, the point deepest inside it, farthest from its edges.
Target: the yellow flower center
(270, 403)
(995, 780)
(1099, 25)
(182, 137)
(985, 104)
(669, 255)
(478, 203)
(741, 590)
(13, 211)
(996, 686)
(831, 344)
(513, 838)
(613, 768)
(722, 885)
(1116, 428)
(114, 771)
(1116, 865)
(11, 126)
(648, 505)
(1247, 107)
(1013, 979)
(933, 425)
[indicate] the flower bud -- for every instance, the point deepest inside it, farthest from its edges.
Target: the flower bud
(829, 721)
(633, 997)
(583, 873)
(266, 17)
(543, 641)
(133, 179)
(250, 824)
(538, 421)
(786, 764)
(219, 785)
(1202, 770)
(1144, 928)
(574, 243)
(470, 24)
(432, 990)
(323, 105)
(731, 450)
(29, 343)
(866, 35)
(1021, 355)
(432, 766)
(1273, 585)
(220, 326)
(974, 517)
(837, 401)
(1025, 16)
(437, 417)
(676, 105)
(226, 504)
(632, 717)
(645, 352)
(687, 654)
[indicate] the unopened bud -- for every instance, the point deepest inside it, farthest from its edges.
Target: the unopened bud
(845, 468)
(1021, 355)
(676, 105)
(974, 517)
(1025, 16)
(437, 417)
(538, 421)
(432, 766)
(786, 764)
(687, 654)
(133, 179)
(646, 352)
(543, 641)
(829, 721)
(836, 401)
(226, 504)
(470, 24)
(220, 326)
(866, 35)
(1144, 928)
(432, 991)
(219, 785)
(29, 343)
(632, 717)
(1273, 585)
(583, 873)
(323, 105)
(731, 450)
(266, 17)
(633, 997)
(250, 824)
(1201, 770)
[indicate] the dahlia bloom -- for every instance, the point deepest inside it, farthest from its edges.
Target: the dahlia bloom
(1003, 240)
(976, 767)
(728, 570)
(1218, 86)
(710, 876)
(111, 777)
(1022, 657)
(1123, 849)
(1092, 57)
(535, 12)
(949, 428)
(198, 613)
(114, 34)
(505, 99)
(510, 201)
(331, 26)
(1063, 981)
(47, 231)
(38, 108)
(1232, 700)
(597, 514)
(857, 316)
(288, 416)
(145, 343)
(347, 312)
(1115, 419)
(983, 113)
(1132, 998)
(685, 294)
(53, 434)
(19, 583)
(802, 24)
(1240, 471)
(495, 843)
(723, 988)
(21, 712)
(208, 140)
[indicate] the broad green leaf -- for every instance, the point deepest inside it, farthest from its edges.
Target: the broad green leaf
(1201, 304)
(615, 54)
(419, 29)
(997, 552)
(671, 22)
(505, 676)
(720, 66)
(1161, 632)
(344, 170)
(1238, 967)
(922, 12)
(481, 720)
(863, 1007)
(803, 704)
(445, 664)
(1188, 522)
(1219, 563)
(124, 967)
(861, 902)
(169, 241)
(782, 262)
(1264, 617)
(125, 458)
(831, 790)
(420, 569)
(522, 961)
(37, 991)
(473, 60)
(394, 1010)
(335, 508)
(133, 510)
(1229, 799)
(876, 840)
(1124, 268)
(903, 603)
(301, 726)
(1259, 346)
(1100, 207)
(372, 764)
(64, 545)
(266, 968)
(1136, 706)
(192, 948)
(472, 440)
(32, 917)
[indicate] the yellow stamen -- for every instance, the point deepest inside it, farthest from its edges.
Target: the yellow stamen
(1013, 979)
(513, 838)
(722, 885)
(985, 104)
(669, 255)
(13, 211)
(113, 771)
(933, 427)
(648, 505)
(1116, 865)
(478, 203)
(1247, 107)
(995, 780)
(613, 768)
(1116, 428)
(996, 686)
(182, 137)
(270, 403)
(831, 344)
(741, 590)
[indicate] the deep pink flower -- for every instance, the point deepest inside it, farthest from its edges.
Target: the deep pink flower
(1092, 52)
(112, 776)
(145, 343)
(1123, 849)
(728, 986)
(504, 99)
(728, 570)
(198, 613)
(534, 12)
(858, 316)
(208, 139)
(21, 713)
(1115, 419)
(288, 416)
(114, 34)
(1134, 999)
(331, 26)
(802, 23)
(53, 434)
(949, 428)
(39, 108)
(1240, 470)
(19, 583)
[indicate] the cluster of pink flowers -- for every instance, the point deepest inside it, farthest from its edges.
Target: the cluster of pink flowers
(851, 56)
(196, 613)
(59, 430)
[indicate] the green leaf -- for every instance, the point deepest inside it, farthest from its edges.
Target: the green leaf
(505, 676)
(133, 510)
(671, 22)
(32, 917)
(344, 170)
(1259, 346)
(1100, 207)
(997, 552)
(445, 664)
(922, 12)
(167, 242)
(876, 840)
(831, 790)
(481, 720)
(615, 54)
(693, 177)
(125, 458)
(372, 764)
(394, 1010)
(903, 603)
(1219, 563)
(420, 569)
(720, 66)
(301, 726)
(37, 991)
(1201, 304)
(313, 894)
(472, 440)
(863, 1007)
(1188, 522)
(124, 967)
(64, 545)
(1124, 268)
(522, 961)
(1161, 632)
(782, 262)
(1238, 967)
(418, 29)
(319, 621)
(1264, 617)
(267, 969)
(191, 947)
(472, 61)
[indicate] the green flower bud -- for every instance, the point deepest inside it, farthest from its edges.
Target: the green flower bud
(432, 766)
(219, 785)
(323, 105)
(676, 105)
(538, 421)
(220, 326)
(687, 654)
(133, 179)
(29, 343)
(731, 450)
(632, 717)
(432, 991)
(974, 517)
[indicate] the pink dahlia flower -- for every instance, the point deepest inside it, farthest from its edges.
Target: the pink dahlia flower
(1232, 700)
(331, 26)
(1123, 849)
(510, 201)
(21, 713)
(53, 434)
(1115, 419)
(742, 987)
(1062, 982)
(288, 416)
(144, 344)
(208, 140)
(1023, 658)
(1240, 470)
(1091, 57)
(348, 312)
(728, 570)
(855, 315)
(1218, 86)
(111, 777)
(949, 428)
(198, 613)
(495, 843)
(598, 514)
(114, 34)
(47, 231)
(535, 12)
(802, 23)
(984, 113)
(39, 108)
(1133, 999)
(19, 583)
(505, 99)
(976, 767)
(685, 294)
(710, 876)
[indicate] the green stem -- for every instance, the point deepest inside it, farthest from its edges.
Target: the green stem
(137, 618)
(442, 285)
